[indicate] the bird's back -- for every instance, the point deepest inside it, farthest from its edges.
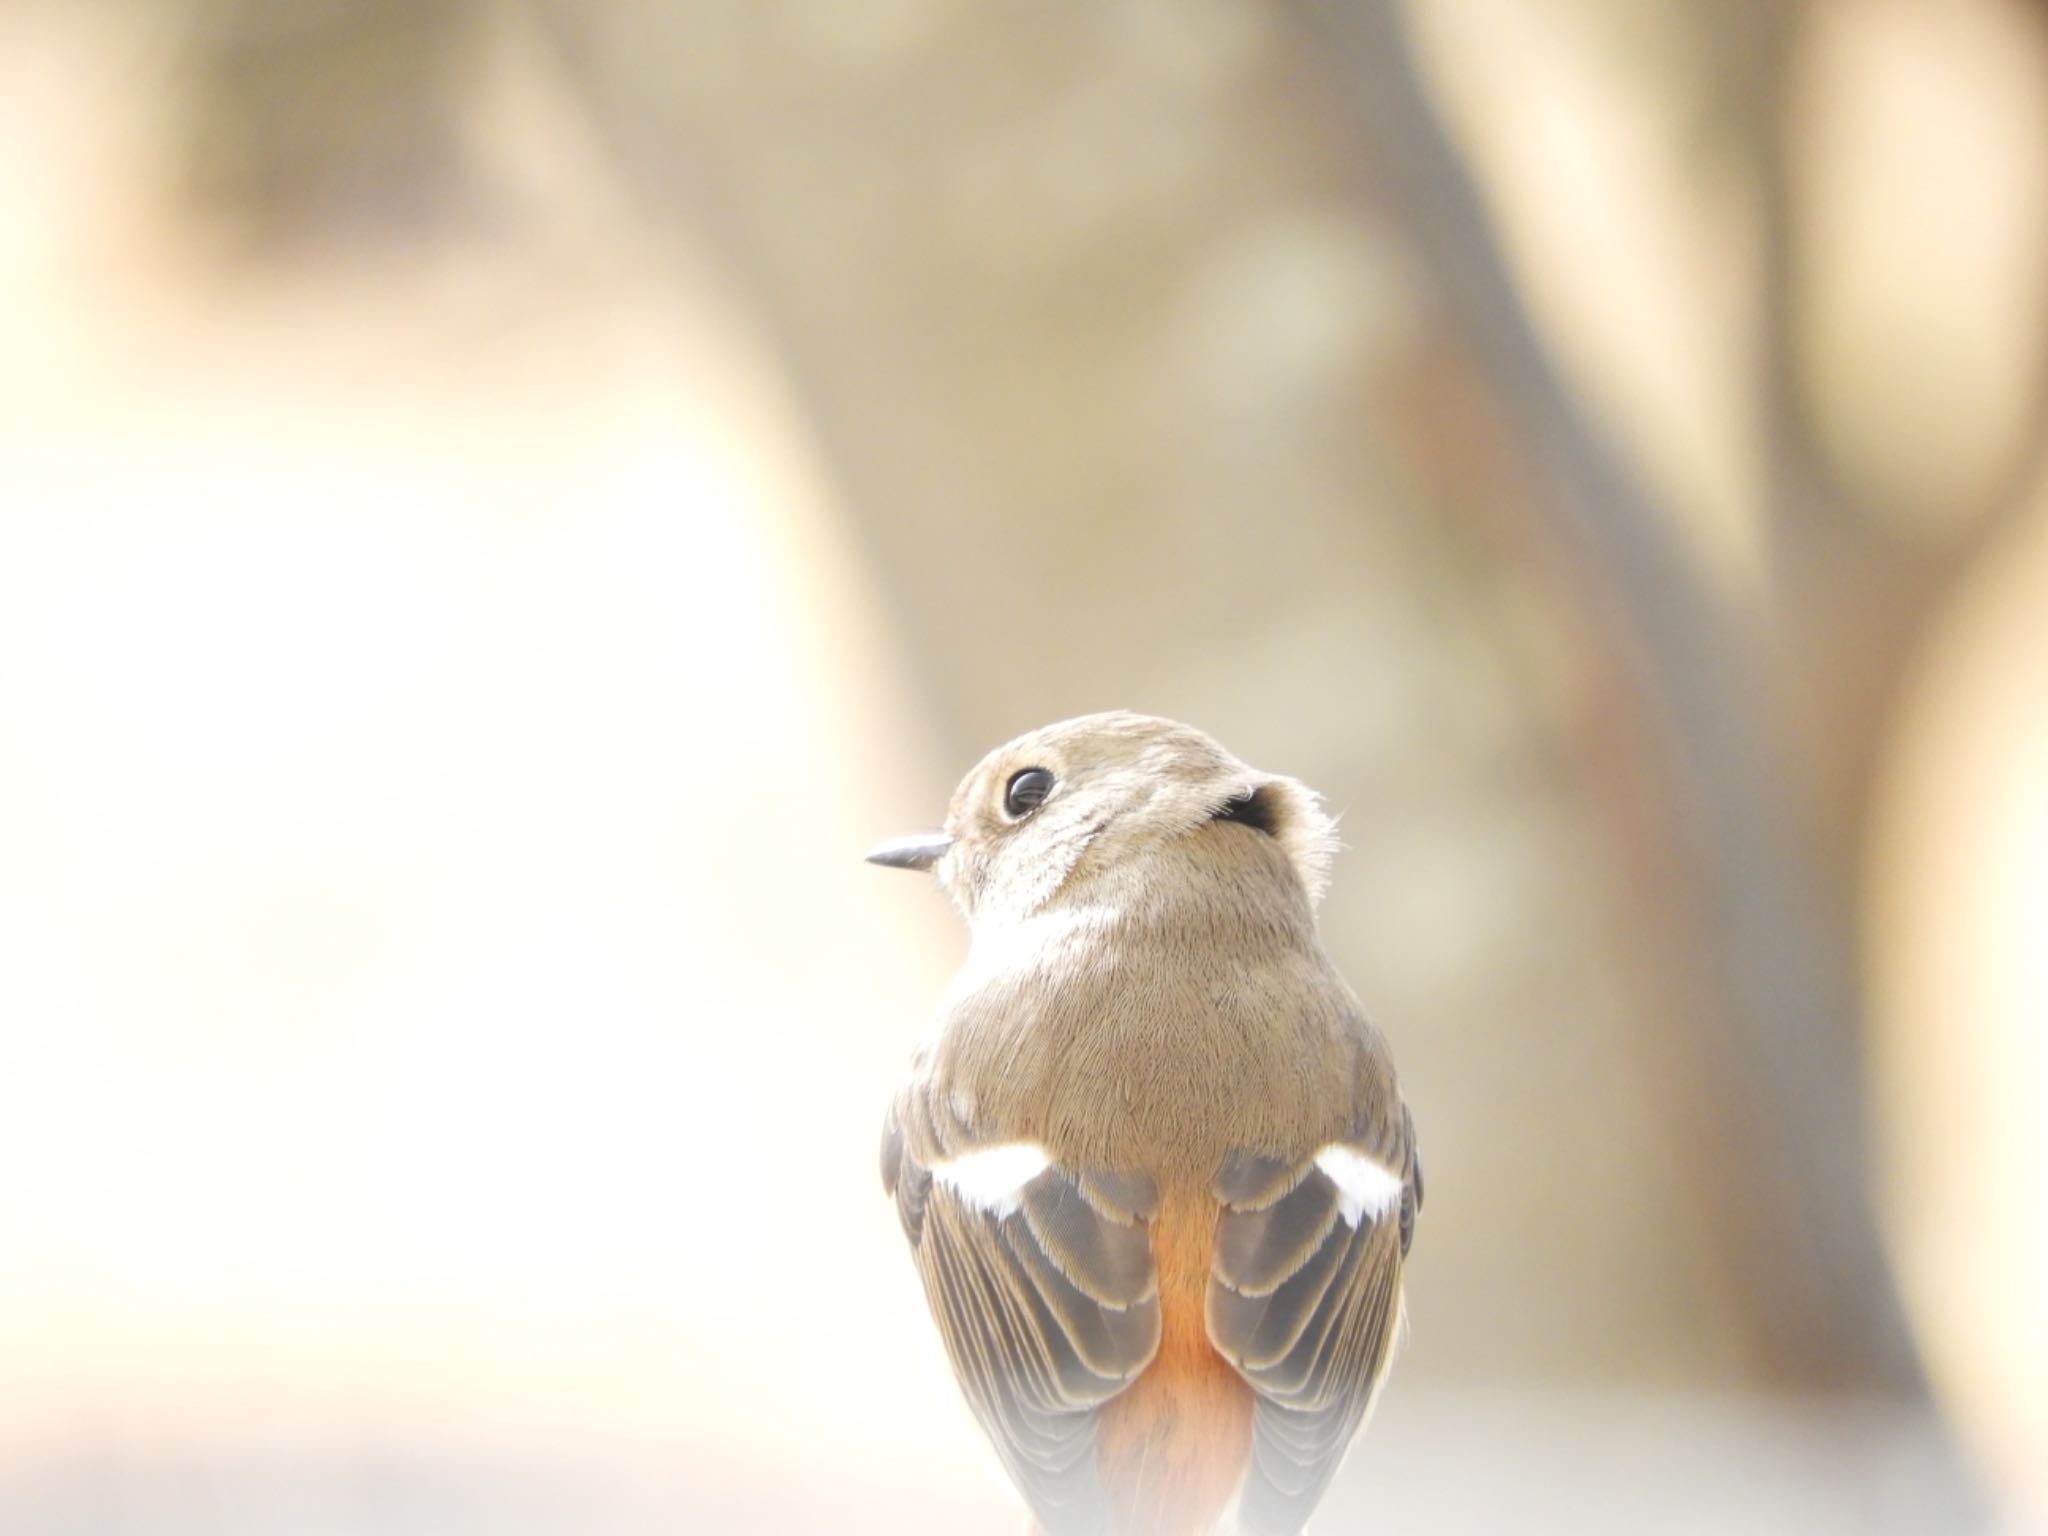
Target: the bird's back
(1167, 1015)
(1157, 1027)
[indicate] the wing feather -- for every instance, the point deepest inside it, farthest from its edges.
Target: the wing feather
(1048, 1304)
(1304, 1299)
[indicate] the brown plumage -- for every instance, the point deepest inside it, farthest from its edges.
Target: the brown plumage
(1153, 1163)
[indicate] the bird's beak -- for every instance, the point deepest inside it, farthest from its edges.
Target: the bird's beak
(920, 850)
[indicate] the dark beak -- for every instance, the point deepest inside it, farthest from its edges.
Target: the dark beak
(920, 850)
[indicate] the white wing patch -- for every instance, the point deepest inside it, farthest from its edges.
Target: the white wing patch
(1366, 1191)
(992, 1179)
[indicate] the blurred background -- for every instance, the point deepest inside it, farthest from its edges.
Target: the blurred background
(502, 501)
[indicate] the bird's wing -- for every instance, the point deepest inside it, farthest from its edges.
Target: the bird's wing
(1304, 1300)
(1042, 1282)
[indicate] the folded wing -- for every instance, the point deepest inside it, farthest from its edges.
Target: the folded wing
(1305, 1298)
(1042, 1282)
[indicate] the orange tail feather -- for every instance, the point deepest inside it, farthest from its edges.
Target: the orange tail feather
(1173, 1446)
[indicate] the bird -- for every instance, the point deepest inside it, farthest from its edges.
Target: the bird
(1153, 1161)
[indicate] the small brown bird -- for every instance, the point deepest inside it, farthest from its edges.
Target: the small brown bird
(1153, 1162)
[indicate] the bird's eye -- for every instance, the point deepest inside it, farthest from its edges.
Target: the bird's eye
(1027, 791)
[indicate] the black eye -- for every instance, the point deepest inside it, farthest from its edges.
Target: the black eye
(1027, 791)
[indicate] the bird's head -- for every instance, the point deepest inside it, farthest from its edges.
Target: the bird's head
(1041, 817)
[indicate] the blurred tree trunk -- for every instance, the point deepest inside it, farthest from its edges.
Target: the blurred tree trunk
(1769, 735)
(1760, 1056)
